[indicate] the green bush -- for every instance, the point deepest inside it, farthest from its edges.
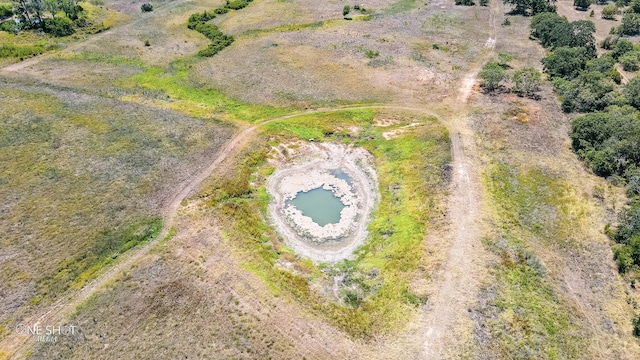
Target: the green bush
(216, 46)
(18, 51)
(237, 4)
(198, 18)
(492, 75)
(484, 2)
(146, 7)
(629, 61)
(630, 24)
(5, 11)
(9, 26)
(610, 11)
(346, 10)
(372, 53)
(582, 4)
(59, 26)
(636, 325)
(465, 2)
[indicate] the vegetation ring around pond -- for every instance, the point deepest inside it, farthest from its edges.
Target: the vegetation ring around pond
(307, 193)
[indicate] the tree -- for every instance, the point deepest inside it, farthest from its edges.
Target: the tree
(582, 4)
(566, 62)
(621, 47)
(590, 91)
(630, 24)
(629, 61)
(632, 92)
(544, 27)
(610, 11)
(492, 75)
(531, 7)
(526, 81)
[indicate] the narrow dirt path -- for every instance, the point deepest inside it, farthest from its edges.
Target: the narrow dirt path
(447, 325)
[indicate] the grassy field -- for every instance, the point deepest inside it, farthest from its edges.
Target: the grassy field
(84, 179)
(97, 135)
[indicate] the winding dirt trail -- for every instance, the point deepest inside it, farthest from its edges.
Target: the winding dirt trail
(445, 320)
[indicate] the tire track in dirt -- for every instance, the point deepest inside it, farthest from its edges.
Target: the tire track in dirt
(446, 322)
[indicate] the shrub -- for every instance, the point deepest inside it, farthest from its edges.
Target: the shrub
(492, 75)
(629, 61)
(582, 4)
(216, 46)
(9, 26)
(526, 81)
(147, 43)
(465, 2)
(630, 24)
(621, 47)
(346, 10)
(146, 7)
(237, 4)
(5, 11)
(636, 325)
(17, 51)
(610, 11)
(484, 2)
(372, 53)
(198, 18)
(59, 26)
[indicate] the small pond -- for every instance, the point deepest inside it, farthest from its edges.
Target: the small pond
(321, 205)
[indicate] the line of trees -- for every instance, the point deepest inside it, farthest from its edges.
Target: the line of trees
(607, 136)
(200, 23)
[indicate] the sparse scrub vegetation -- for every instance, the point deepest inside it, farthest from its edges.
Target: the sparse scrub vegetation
(529, 318)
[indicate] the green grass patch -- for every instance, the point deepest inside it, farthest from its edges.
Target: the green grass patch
(525, 317)
(375, 298)
(402, 6)
(187, 96)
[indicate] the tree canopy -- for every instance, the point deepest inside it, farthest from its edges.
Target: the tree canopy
(531, 7)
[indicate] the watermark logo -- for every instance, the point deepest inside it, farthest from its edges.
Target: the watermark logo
(46, 333)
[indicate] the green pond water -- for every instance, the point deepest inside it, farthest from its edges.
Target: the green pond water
(320, 205)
